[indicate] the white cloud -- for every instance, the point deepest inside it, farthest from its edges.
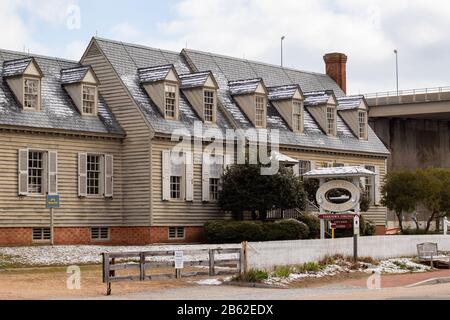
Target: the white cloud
(367, 31)
(74, 50)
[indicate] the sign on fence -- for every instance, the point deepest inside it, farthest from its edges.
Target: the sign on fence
(179, 262)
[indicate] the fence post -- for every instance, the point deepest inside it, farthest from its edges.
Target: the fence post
(142, 266)
(106, 273)
(244, 257)
(212, 272)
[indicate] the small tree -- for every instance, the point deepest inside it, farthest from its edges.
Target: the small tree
(435, 193)
(245, 189)
(401, 193)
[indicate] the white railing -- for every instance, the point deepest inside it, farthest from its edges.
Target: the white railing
(410, 92)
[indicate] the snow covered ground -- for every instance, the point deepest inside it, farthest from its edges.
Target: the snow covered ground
(80, 255)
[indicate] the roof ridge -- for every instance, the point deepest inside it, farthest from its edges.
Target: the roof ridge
(34, 55)
(135, 45)
(257, 62)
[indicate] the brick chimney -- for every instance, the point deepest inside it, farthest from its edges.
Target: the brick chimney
(336, 68)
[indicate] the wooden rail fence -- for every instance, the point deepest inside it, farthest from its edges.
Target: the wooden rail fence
(154, 260)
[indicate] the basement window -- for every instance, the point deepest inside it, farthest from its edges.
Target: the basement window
(100, 233)
(41, 234)
(176, 233)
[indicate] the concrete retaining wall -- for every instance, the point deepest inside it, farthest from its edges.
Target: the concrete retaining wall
(267, 255)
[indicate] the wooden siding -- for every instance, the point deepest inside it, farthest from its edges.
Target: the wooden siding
(136, 145)
(30, 211)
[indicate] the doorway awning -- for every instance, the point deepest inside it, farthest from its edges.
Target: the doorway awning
(339, 172)
(282, 158)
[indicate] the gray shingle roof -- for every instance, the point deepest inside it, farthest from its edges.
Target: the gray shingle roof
(316, 98)
(58, 110)
(239, 87)
(127, 58)
(194, 80)
(350, 102)
(15, 67)
(154, 74)
(282, 92)
(74, 75)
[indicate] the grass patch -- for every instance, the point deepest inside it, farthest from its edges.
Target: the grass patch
(282, 272)
(308, 267)
(252, 276)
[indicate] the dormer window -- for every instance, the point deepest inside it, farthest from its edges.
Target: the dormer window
(362, 119)
(170, 100)
(209, 104)
(31, 91)
(331, 120)
(260, 115)
(89, 99)
(297, 115)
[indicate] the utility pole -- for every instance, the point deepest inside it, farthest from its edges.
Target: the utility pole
(396, 68)
(282, 38)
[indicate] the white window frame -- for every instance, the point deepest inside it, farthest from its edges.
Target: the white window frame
(362, 124)
(304, 166)
(84, 100)
(260, 111)
(37, 94)
(331, 120)
(179, 190)
(169, 89)
(209, 102)
(100, 175)
(369, 185)
(43, 170)
(214, 189)
(176, 231)
(297, 115)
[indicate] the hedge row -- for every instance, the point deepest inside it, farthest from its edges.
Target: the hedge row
(239, 231)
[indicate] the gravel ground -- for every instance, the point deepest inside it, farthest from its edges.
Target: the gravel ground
(81, 255)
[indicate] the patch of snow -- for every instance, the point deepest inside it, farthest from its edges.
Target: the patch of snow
(209, 282)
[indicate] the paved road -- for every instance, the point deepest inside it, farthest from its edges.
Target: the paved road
(340, 292)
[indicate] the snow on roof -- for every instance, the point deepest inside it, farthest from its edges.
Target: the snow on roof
(339, 172)
(316, 98)
(194, 80)
(154, 74)
(277, 156)
(282, 92)
(15, 67)
(74, 75)
(350, 102)
(248, 86)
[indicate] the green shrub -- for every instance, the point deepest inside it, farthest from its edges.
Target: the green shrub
(313, 223)
(308, 267)
(239, 231)
(407, 232)
(252, 276)
(282, 272)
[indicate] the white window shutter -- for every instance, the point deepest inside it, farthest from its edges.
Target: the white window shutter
(189, 163)
(23, 172)
(312, 163)
(52, 173)
(296, 169)
(205, 178)
(109, 176)
(363, 180)
(166, 175)
(228, 160)
(82, 174)
(377, 186)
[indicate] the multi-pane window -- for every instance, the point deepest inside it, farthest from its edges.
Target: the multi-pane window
(260, 111)
(100, 233)
(331, 120)
(214, 184)
(175, 187)
(176, 233)
(362, 117)
(297, 116)
(303, 167)
(93, 174)
(89, 100)
(35, 172)
(369, 185)
(171, 100)
(31, 94)
(209, 105)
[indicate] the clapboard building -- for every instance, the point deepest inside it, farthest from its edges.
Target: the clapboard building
(98, 133)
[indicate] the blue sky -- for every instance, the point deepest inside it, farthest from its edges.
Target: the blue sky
(367, 31)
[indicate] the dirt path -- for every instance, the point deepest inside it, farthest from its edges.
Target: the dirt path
(51, 283)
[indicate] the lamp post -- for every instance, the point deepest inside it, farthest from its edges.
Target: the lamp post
(282, 38)
(396, 68)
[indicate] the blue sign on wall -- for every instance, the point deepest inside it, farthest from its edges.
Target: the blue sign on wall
(52, 202)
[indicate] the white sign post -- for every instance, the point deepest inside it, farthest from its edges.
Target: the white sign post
(179, 263)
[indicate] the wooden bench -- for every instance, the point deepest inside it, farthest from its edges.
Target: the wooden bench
(428, 252)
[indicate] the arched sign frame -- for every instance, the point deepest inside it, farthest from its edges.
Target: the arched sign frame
(327, 205)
